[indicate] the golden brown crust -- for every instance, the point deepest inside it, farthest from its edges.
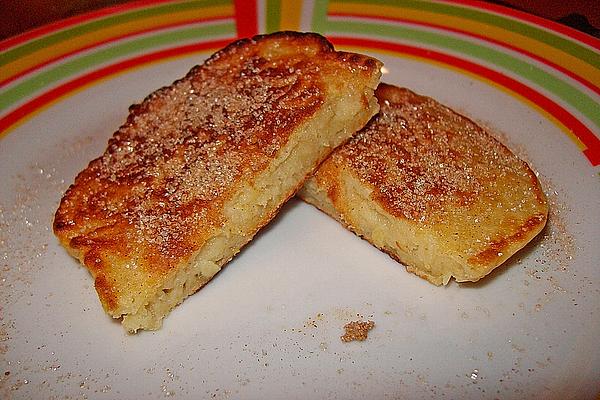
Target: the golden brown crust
(503, 243)
(157, 193)
(442, 174)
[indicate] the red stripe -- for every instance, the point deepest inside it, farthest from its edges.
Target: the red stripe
(585, 135)
(46, 98)
(551, 64)
(246, 18)
(534, 19)
(100, 43)
(64, 23)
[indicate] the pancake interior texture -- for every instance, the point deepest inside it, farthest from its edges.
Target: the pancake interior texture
(201, 165)
(432, 189)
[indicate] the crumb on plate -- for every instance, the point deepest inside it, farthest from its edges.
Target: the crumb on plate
(357, 330)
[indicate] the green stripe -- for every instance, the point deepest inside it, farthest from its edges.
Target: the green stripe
(49, 76)
(78, 30)
(319, 16)
(569, 94)
(273, 16)
(542, 35)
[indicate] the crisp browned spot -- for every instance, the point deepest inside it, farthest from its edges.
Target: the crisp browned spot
(106, 292)
(496, 247)
(357, 330)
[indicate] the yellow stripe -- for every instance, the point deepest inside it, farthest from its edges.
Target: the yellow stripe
(565, 60)
(291, 13)
(64, 47)
(509, 92)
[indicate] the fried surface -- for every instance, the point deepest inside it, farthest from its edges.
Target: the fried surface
(432, 189)
(201, 165)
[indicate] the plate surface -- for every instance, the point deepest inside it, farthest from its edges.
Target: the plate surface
(269, 325)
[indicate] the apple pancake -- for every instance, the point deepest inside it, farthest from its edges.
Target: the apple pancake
(432, 189)
(201, 165)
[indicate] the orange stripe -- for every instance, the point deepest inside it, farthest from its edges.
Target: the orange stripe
(291, 14)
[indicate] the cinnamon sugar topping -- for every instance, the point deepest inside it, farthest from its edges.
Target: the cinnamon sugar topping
(185, 146)
(422, 158)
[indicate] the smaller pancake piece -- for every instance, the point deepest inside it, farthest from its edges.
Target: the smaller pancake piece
(432, 189)
(201, 165)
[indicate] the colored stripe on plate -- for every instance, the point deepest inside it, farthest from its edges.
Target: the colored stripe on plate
(523, 50)
(246, 18)
(74, 20)
(40, 52)
(578, 59)
(71, 67)
(456, 15)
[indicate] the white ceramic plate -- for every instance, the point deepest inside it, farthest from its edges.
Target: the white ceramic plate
(269, 325)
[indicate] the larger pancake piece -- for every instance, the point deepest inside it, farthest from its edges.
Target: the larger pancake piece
(201, 165)
(432, 189)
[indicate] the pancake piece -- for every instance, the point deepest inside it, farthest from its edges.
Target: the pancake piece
(432, 189)
(201, 165)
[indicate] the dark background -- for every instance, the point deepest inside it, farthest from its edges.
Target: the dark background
(18, 16)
